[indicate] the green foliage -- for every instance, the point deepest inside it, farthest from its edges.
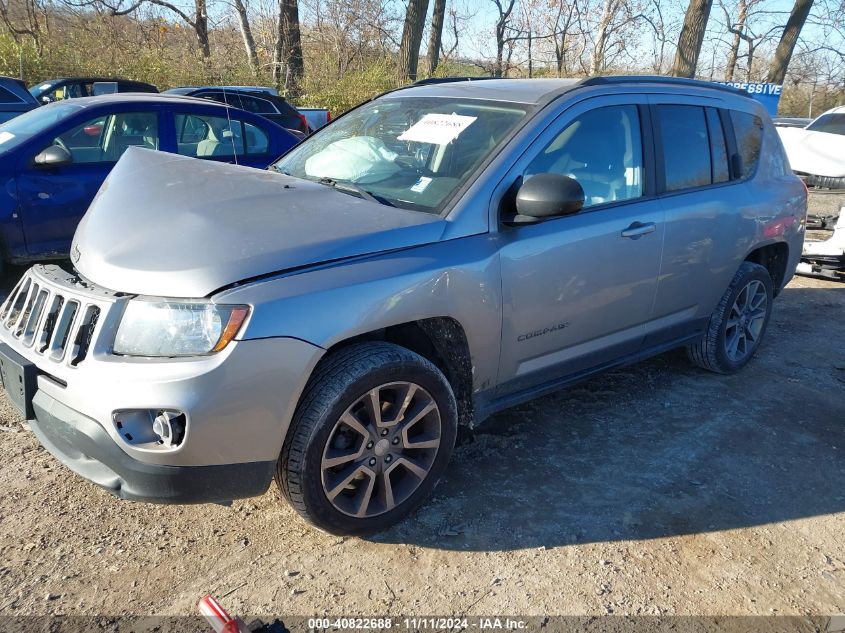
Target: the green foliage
(351, 89)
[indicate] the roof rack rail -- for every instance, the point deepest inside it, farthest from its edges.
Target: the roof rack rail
(449, 80)
(658, 79)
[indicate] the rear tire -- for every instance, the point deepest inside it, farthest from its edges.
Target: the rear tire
(738, 324)
(371, 437)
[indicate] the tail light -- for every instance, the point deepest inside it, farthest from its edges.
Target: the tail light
(328, 116)
(302, 118)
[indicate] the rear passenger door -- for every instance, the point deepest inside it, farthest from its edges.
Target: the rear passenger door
(710, 220)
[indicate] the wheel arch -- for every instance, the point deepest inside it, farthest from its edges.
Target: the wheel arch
(774, 257)
(441, 340)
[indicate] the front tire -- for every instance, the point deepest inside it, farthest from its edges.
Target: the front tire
(371, 437)
(738, 324)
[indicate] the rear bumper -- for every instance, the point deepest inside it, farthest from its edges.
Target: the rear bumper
(82, 445)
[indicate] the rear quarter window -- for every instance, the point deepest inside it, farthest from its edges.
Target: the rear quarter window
(748, 131)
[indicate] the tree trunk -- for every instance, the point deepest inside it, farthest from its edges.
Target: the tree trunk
(692, 35)
(436, 38)
(279, 50)
(530, 58)
(246, 33)
(597, 59)
(783, 54)
(409, 49)
(733, 53)
(201, 27)
(291, 47)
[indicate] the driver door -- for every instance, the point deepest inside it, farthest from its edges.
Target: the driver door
(53, 198)
(579, 290)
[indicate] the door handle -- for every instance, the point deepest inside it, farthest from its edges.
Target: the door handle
(638, 229)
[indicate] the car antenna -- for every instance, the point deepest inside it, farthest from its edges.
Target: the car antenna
(229, 119)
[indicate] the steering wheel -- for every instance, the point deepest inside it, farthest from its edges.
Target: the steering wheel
(407, 165)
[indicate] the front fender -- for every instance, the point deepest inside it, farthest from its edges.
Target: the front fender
(458, 279)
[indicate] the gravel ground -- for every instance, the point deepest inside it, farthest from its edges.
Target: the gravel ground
(654, 489)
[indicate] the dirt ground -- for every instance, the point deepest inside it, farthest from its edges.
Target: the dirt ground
(654, 489)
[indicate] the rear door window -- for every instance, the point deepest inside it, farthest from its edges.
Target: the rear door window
(685, 146)
(256, 139)
(204, 136)
(748, 130)
(257, 105)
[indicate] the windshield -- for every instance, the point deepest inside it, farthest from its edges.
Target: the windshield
(830, 123)
(409, 152)
(36, 91)
(22, 128)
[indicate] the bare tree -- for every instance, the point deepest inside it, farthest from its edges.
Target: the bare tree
(692, 36)
(503, 28)
(409, 48)
(435, 39)
(246, 34)
(783, 54)
(609, 11)
(560, 27)
(25, 19)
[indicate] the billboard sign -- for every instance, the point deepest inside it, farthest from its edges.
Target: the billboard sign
(767, 94)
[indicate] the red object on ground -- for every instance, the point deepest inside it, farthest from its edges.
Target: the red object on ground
(216, 616)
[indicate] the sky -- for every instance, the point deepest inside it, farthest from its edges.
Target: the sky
(478, 39)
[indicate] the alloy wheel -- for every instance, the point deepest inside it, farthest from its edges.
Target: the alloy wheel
(381, 449)
(745, 321)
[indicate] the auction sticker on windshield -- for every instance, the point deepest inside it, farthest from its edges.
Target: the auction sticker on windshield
(437, 129)
(6, 136)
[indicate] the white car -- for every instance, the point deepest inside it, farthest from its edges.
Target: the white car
(817, 152)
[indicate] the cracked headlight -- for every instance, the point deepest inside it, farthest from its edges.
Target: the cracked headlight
(177, 328)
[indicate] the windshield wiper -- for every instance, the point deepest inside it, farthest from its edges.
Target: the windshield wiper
(353, 189)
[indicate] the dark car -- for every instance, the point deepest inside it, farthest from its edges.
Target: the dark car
(14, 98)
(74, 87)
(56, 157)
(265, 102)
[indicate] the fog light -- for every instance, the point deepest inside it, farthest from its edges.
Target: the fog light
(170, 427)
(151, 429)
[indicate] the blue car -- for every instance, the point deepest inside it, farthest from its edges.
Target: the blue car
(54, 158)
(14, 98)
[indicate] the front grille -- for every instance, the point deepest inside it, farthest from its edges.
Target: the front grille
(54, 313)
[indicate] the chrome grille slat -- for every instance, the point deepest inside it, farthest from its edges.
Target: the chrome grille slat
(61, 334)
(45, 334)
(29, 329)
(20, 322)
(55, 314)
(17, 304)
(7, 304)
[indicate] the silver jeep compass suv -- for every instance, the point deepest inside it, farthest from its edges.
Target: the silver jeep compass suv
(435, 255)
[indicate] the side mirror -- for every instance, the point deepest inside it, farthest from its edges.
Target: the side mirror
(54, 155)
(548, 196)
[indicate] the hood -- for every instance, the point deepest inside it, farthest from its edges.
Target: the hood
(172, 226)
(817, 153)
